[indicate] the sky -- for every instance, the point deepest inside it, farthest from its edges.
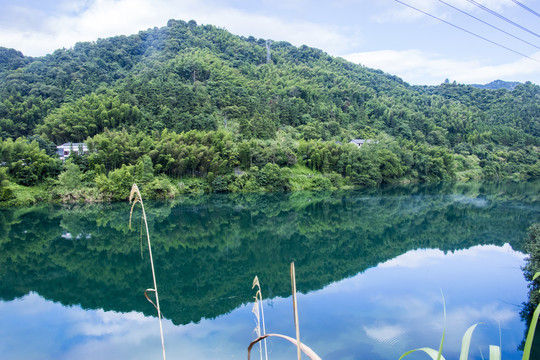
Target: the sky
(380, 34)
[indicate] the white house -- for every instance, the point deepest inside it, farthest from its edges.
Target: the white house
(360, 142)
(66, 149)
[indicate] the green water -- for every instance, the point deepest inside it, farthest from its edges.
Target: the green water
(84, 260)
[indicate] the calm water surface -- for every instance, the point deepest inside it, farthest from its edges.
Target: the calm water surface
(371, 269)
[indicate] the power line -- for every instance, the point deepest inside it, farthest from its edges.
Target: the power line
(526, 8)
(502, 17)
(484, 22)
(467, 31)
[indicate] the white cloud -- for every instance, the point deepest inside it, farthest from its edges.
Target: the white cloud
(418, 67)
(38, 31)
(298, 33)
(415, 259)
(422, 257)
(492, 313)
(384, 333)
(84, 21)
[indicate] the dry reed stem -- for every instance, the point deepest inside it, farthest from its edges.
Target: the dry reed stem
(259, 293)
(295, 310)
(257, 330)
(306, 349)
(135, 197)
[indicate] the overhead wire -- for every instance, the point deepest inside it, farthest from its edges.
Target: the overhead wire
(494, 13)
(526, 8)
(467, 31)
(488, 24)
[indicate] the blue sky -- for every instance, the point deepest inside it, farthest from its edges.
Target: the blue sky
(381, 34)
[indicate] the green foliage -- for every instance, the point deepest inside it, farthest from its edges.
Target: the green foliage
(88, 116)
(71, 177)
(27, 164)
(116, 185)
(192, 185)
(19, 195)
(271, 177)
(6, 192)
(144, 172)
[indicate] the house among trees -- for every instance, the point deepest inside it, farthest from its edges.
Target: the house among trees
(360, 142)
(66, 149)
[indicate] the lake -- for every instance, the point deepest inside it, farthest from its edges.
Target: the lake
(372, 268)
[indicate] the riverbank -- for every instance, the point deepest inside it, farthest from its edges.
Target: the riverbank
(269, 179)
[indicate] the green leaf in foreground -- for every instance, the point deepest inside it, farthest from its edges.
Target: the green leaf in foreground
(466, 343)
(494, 352)
(434, 354)
(532, 328)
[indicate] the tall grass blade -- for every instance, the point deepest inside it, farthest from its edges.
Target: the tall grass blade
(444, 328)
(134, 198)
(295, 310)
(434, 354)
(494, 352)
(530, 334)
(466, 343)
(532, 329)
(305, 349)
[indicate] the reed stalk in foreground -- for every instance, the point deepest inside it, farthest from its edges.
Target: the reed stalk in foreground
(301, 347)
(258, 307)
(134, 198)
(295, 310)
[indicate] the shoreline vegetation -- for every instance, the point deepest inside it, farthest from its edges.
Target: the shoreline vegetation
(168, 165)
(164, 188)
(76, 183)
(190, 108)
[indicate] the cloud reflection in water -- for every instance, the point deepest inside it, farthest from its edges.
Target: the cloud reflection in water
(378, 314)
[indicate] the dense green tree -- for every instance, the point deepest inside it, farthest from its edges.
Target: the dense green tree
(26, 162)
(71, 177)
(5, 191)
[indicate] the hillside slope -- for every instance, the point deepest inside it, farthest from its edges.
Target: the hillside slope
(199, 100)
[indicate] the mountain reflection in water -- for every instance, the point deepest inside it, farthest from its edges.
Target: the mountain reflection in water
(380, 295)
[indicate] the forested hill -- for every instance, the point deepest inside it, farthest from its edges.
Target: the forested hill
(197, 102)
(498, 84)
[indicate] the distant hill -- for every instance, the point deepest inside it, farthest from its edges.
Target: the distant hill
(498, 84)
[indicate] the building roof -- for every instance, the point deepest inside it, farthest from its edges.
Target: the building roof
(360, 142)
(74, 145)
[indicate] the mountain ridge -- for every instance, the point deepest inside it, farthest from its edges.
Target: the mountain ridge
(498, 84)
